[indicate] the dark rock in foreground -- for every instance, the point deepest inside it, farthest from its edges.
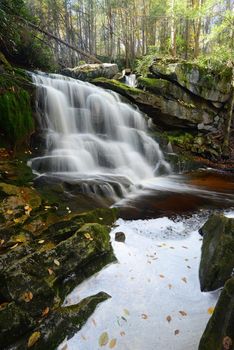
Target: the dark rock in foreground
(217, 259)
(219, 333)
(120, 237)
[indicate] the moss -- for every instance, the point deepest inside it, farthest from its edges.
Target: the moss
(183, 140)
(16, 120)
(116, 86)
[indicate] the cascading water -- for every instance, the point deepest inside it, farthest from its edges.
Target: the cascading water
(93, 138)
(130, 80)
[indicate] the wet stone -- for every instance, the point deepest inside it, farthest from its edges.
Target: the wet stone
(120, 237)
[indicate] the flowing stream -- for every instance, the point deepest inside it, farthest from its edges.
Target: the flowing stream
(93, 137)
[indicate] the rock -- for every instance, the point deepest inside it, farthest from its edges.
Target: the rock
(120, 237)
(87, 72)
(170, 112)
(217, 259)
(219, 332)
(199, 80)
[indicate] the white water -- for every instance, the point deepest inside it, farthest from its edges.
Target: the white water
(93, 137)
(130, 80)
(156, 276)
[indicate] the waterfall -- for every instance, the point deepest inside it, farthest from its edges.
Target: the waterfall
(130, 80)
(93, 138)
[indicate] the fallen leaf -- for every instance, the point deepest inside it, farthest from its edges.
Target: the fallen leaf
(94, 322)
(103, 339)
(161, 276)
(88, 236)
(45, 312)
(9, 211)
(33, 339)
(14, 246)
(183, 313)
(169, 286)
(16, 220)
(210, 310)
(83, 337)
(126, 312)
(112, 343)
(184, 279)
(176, 331)
(3, 305)
(227, 343)
(50, 271)
(2, 241)
(27, 296)
(122, 334)
(56, 262)
(41, 241)
(168, 318)
(144, 316)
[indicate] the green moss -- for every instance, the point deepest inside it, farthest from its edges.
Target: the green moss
(183, 140)
(16, 122)
(116, 86)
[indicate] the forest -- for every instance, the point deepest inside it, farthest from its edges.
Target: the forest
(116, 174)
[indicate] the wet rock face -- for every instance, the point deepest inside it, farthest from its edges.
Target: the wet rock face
(217, 259)
(87, 72)
(219, 332)
(198, 80)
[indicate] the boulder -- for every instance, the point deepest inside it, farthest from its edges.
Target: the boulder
(87, 72)
(219, 332)
(217, 259)
(171, 112)
(200, 81)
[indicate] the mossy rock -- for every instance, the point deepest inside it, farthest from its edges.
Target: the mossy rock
(217, 259)
(220, 328)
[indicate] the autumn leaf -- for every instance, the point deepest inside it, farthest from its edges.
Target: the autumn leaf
(122, 334)
(112, 343)
(50, 271)
(184, 279)
(9, 211)
(14, 246)
(168, 318)
(56, 262)
(88, 236)
(183, 313)
(161, 276)
(27, 296)
(2, 241)
(33, 339)
(144, 316)
(41, 241)
(45, 312)
(176, 331)
(210, 310)
(103, 339)
(169, 286)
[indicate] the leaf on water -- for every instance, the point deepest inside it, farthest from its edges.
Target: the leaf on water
(210, 310)
(183, 313)
(161, 276)
(144, 316)
(45, 312)
(94, 322)
(126, 312)
(168, 318)
(33, 339)
(186, 259)
(169, 286)
(112, 343)
(172, 247)
(14, 246)
(41, 241)
(56, 262)
(50, 271)
(122, 334)
(103, 339)
(183, 246)
(176, 331)
(123, 318)
(27, 296)
(184, 279)
(189, 267)
(83, 337)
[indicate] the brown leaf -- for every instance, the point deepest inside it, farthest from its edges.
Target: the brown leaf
(184, 279)
(176, 331)
(33, 339)
(168, 318)
(45, 312)
(122, 334)
(227, 343)
(2, 241)
(161, 276)
(103, 339)
(50, 271)
(183, 313)
(169, 286)
(210, 310)
(27, 296)
(112, 343)
(94, 322)
(144, 316)
(3, 305)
